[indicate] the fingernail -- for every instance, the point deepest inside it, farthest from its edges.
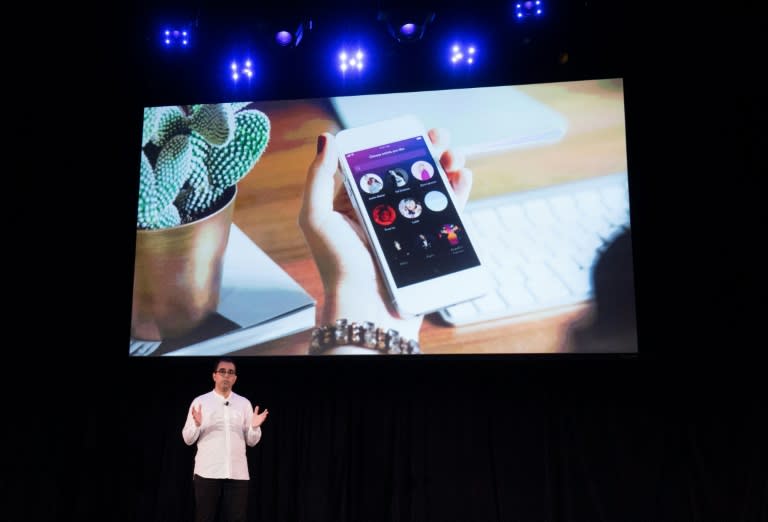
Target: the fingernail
(321, 143)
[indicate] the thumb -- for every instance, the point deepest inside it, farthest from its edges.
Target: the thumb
(319, 188)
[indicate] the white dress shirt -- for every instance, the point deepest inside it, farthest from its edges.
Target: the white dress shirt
(222, 436)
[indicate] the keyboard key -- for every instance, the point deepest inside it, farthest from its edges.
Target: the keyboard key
(517, 296)
(575, 277)
(538, 212)
(564, 208)
(512, 215)
(589, 203)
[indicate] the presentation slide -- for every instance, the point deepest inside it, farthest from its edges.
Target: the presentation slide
(240, 251)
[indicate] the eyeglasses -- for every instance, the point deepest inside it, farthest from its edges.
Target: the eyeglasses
(223, 372)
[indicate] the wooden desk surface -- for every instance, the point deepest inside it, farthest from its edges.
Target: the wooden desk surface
(269, 199)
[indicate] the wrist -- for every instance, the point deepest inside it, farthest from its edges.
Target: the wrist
(361, 309)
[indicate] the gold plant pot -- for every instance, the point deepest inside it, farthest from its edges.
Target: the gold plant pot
(177, 275)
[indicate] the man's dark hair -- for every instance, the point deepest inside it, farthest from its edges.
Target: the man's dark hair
(221, 360)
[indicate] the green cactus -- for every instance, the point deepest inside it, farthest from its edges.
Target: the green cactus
(191, 154)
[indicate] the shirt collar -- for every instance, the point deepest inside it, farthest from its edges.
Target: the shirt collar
(220, 396)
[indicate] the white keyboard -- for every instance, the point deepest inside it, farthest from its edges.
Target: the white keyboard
(540, 245)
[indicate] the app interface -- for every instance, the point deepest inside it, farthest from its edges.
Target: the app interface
(415, 221)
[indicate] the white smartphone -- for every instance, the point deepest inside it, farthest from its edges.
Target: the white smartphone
(406, 204)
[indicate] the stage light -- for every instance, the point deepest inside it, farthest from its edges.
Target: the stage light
(528, 9)
(173, 38)
(284, 38)
(241, 70)
(408, 30)
(461, 54)
(293, 35)
(285, 31)
(351, 61)
(406, 25)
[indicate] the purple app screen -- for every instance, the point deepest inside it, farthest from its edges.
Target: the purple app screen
(414, 219)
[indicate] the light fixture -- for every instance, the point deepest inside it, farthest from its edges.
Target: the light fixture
(528, 9)
(406, 25)
(176, 37)
(241, 70)
(463, 54)
(352, 61)
(284, 31)
(291, 34)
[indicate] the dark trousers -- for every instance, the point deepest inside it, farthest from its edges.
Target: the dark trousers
(226, 497)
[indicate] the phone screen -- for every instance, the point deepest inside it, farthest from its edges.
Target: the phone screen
(415, 220)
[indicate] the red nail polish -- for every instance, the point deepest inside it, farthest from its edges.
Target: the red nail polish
(321, 143)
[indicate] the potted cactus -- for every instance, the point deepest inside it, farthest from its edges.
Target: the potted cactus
(191, 160)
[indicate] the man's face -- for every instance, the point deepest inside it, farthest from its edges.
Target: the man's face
(224, 376)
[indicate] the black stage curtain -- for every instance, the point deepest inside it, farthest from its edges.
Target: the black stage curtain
(385, 440)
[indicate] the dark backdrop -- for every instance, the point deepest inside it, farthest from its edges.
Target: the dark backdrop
(538, 440)
(676, 434)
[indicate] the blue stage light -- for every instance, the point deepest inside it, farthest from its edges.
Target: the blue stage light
(176, 38)
(290, 33)
(241, 70)
(284, 38)
(528, 9)
(408, 29)
(462, 54)
(406, 25)
(351, 61)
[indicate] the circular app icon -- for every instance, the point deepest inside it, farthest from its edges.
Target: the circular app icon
(371, 183)
(384, 215)
(435, 201)
(410, 208)
(398, 176)
(450, 233)
(422, 170)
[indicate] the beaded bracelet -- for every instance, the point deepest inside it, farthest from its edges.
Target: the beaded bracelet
(365, 335)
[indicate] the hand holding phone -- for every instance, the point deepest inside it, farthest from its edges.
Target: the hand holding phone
(354, 284)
